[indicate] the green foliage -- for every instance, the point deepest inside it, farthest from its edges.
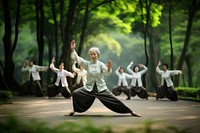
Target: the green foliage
(14, 125)
(188, 92)
(5, 96)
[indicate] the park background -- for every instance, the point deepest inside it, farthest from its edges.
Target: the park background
(142, 31)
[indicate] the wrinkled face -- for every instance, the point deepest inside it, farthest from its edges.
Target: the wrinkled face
(121, 70)
(93, 56)
(136, 69)
(164, 68)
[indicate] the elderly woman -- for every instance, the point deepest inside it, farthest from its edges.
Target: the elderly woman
(167, 87)
(95, 86)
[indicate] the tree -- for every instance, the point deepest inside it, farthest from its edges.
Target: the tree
(193, 7)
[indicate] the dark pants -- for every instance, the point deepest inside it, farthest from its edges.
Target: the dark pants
(119, 89)
(169, 92)
(36, 88)
(54, 90)
(139, 91)
(82, 100)
(76, 86)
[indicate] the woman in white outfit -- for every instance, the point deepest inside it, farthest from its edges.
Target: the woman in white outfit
(122, 85)
(136, 87)
(95, 86)
(61, 85)
(81, 77)
(35, 78)
(167, 87)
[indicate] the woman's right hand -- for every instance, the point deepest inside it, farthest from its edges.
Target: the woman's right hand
(53, 60)
(73, 45)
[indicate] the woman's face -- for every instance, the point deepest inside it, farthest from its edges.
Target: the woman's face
(121, 70)
(164, 68)
(136, 69)
(61, 66)
(93, 56)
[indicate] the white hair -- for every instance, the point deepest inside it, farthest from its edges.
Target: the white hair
(94, 49)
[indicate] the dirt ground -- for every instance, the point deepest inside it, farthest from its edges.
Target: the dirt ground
(182, 114)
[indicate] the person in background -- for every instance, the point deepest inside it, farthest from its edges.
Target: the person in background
(122, 85)
(35, 78)
(167, 87)
(61, 85)
(25, 85)
(136, 87)
(95, 86)
(81, 76)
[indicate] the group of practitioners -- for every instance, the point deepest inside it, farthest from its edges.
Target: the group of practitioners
(90, 83)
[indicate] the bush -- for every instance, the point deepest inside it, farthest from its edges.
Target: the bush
(188, 92)
(5, 96)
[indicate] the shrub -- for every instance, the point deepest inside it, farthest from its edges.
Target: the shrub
(188, 92)
(5, 96)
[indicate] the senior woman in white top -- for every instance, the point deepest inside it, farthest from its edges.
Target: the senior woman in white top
(136, 87)
(122, 85)
(61, 85)
(95, 86)
(167, 87)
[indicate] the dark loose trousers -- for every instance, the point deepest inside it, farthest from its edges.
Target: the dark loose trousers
(82, 100)
(164, 91)
(141, 92)
(119, 89)
(54, 90)
(76, 86)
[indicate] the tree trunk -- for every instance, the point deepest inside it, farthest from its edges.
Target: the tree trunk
(189, 67)
(192, 9)
(8, 50)
(61, 20)
(40, 29)
(152, 75)
(68, 36)
(170, 37)
(84, 27)
(145, 32)
(55, 31)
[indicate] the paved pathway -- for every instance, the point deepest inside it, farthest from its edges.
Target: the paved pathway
(181, 114)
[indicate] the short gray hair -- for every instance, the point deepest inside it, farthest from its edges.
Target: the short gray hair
(94, 49)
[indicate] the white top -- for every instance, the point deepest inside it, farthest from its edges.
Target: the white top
(34, 71)
(81, 74)
(136, 76)
(122, 77)
(61, 75)
(95, 73)
(167, 76)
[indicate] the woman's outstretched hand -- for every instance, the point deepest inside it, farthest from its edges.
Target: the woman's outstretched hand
(109, 65)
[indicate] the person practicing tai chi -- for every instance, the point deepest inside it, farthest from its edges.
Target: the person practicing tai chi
(95, 86)
(136, 87)
(81, 76)
(167, 87)
(61, 85)
(35, 78)
(122, 85)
